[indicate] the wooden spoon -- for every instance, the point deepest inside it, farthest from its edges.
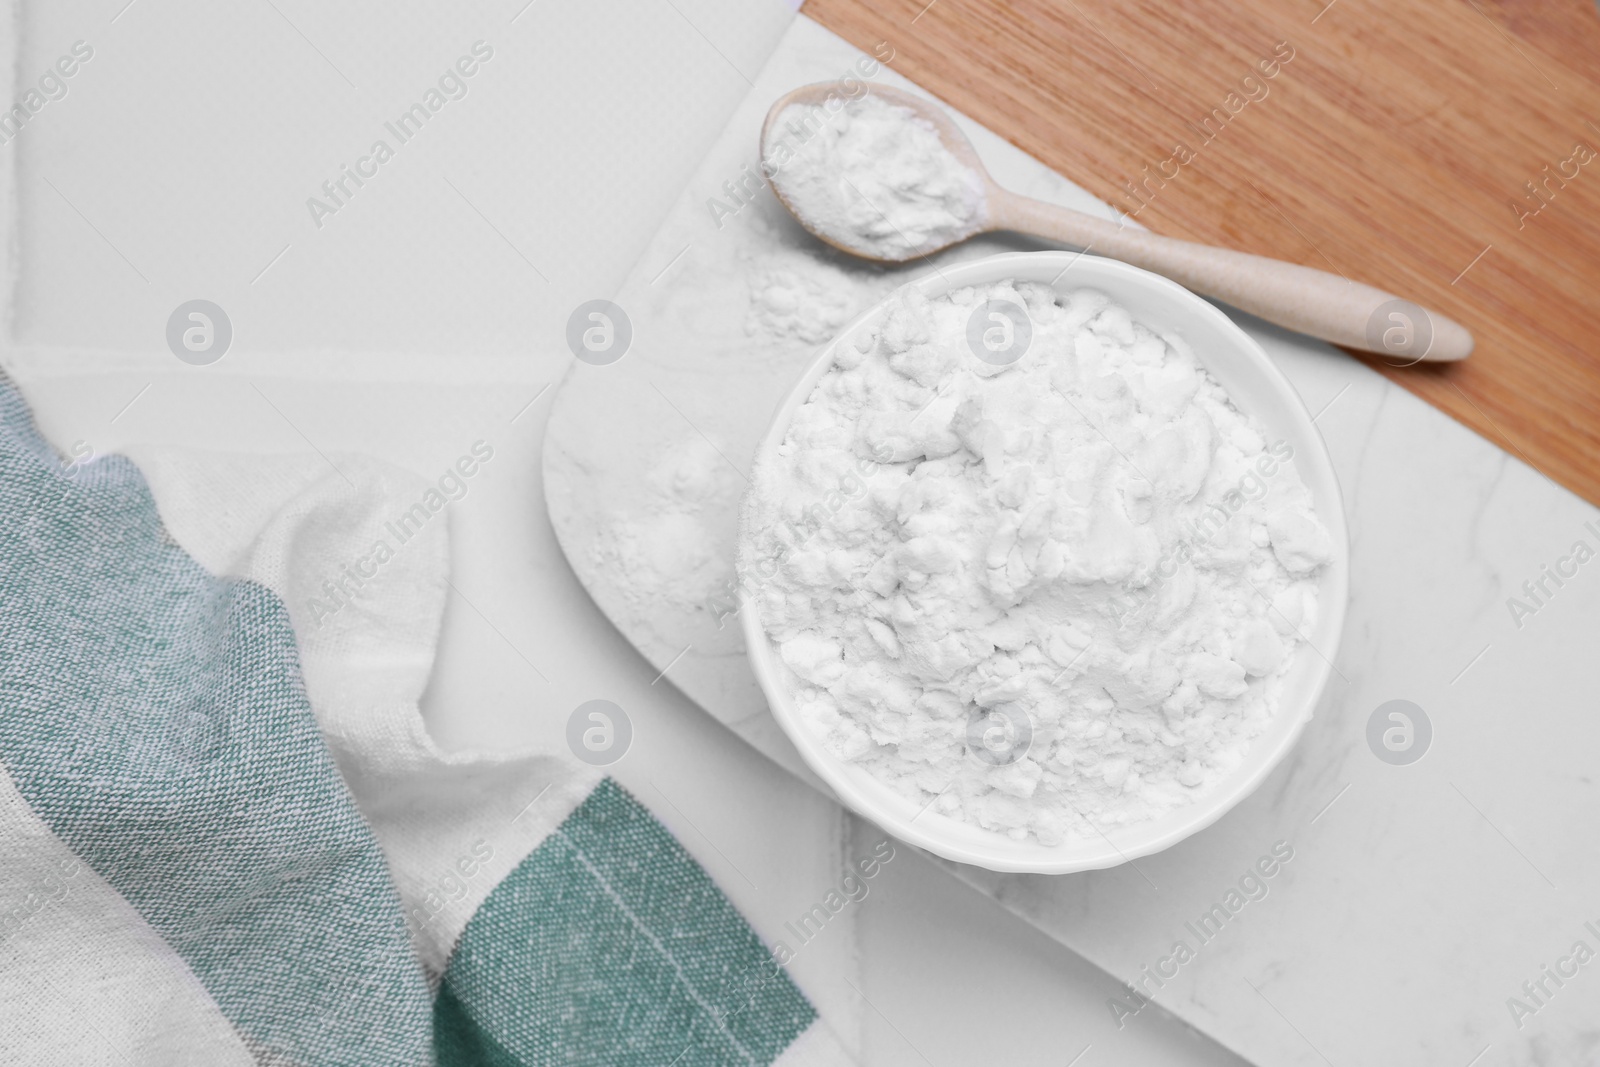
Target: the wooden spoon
(1300, 298)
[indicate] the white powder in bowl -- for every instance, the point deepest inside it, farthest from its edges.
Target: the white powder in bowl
(1038, 595)
(873, 178)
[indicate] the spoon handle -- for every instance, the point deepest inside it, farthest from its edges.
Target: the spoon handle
(1300, 298)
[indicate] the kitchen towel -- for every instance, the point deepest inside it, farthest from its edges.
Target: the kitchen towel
(230, 840)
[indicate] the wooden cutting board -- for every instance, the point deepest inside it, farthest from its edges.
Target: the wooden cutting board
(1395, 147)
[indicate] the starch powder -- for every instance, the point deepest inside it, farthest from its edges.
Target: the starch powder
(874, 178)
(1049, 597)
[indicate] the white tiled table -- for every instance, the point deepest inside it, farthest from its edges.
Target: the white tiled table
(471, 249)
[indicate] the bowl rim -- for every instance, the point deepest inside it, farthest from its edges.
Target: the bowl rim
(856, 788)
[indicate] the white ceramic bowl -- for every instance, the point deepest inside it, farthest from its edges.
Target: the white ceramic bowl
(1258, 388)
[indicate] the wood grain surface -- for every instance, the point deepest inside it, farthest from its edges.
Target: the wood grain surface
(1434, 148)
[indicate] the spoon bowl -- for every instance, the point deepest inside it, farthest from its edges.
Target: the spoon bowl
(955, 142)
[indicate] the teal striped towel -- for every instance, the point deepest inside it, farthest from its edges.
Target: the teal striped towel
(228, 839)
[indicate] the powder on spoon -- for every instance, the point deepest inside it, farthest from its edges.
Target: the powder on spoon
(875, 178)
(1050, 597)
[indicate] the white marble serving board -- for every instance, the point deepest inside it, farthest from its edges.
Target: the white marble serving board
(1419, 897)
